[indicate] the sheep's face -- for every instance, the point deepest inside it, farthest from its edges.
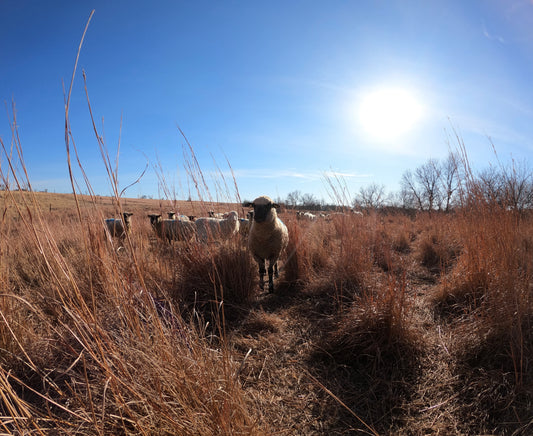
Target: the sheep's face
(231, 216)
(154, 219)
(264, 209)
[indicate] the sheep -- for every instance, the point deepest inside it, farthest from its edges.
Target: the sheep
(172, 230)
(117, 227)
(213, 214)
(305, 215)
(225, 228)
(245, 223)
(175, 216)
(268, 238)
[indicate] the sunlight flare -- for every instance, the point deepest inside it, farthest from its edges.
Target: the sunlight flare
(386, 114)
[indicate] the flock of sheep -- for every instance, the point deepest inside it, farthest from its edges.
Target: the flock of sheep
(326, 216)
(267, 235)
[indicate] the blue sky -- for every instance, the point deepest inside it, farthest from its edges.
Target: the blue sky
(274, 88)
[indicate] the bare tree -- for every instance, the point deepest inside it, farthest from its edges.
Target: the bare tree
(410, 192)
(428, 178)
(517, 185)
(293, 199)
(371, 196)
(491, 186)
(309, 201)
(450, 180)
(422, 189)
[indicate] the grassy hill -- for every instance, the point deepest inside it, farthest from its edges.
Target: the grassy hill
(48, 202)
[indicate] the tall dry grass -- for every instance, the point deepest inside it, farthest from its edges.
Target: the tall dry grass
(86, 347)
(92, 339)
(102, 339)
(491, 282)
(487, 301)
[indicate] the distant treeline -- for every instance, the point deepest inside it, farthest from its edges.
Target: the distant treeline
(437, 185)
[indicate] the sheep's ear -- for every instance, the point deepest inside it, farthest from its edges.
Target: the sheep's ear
(247, 204)
(275, 205)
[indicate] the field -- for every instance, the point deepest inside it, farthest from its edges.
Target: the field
(381, 324)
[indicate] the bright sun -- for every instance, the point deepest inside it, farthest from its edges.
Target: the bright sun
(388, 113)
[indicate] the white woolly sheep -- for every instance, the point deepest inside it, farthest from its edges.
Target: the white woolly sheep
(117, 227)
(268, 238)
(215, 228)
(213, 214)
(245, 223)
(172, 230)
(305, 215)
(181, 217)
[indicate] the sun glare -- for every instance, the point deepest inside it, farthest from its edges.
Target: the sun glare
(388, 113)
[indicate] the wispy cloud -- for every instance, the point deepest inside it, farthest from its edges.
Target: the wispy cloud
(501, 134)
(342, 175)
(294, 174)
(493, 37)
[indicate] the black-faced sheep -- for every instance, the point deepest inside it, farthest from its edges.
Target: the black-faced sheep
(215, 228)
(246, 223)
(213, 214)
(117, 227)
(172, 230)
(268, 238)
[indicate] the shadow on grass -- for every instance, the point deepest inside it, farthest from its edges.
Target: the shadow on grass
(495, 380)
(371, 369)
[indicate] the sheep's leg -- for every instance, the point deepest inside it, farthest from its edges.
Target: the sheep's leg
(262, 271)
(276, 273)
(270, 279)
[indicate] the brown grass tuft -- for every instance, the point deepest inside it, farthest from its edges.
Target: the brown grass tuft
(211, 275)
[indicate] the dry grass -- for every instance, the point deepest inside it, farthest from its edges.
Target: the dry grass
(159, 338)
(87, 347)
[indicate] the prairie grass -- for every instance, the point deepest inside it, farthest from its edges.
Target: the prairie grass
(85, 346)
(487, 299)
(217, 275)
(159, 338)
